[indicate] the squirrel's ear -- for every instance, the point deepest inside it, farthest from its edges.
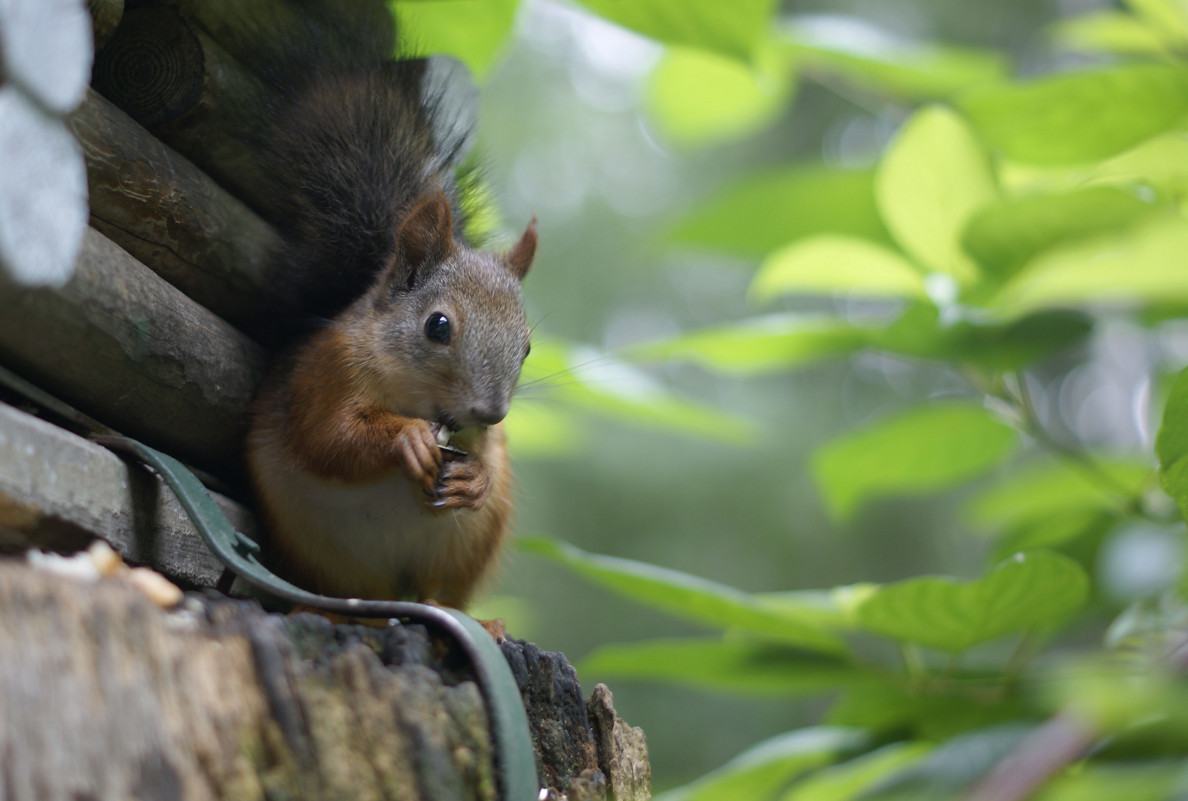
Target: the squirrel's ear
(519, 258)
(425, 236)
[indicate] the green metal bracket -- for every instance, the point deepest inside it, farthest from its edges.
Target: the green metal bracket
(515, 757)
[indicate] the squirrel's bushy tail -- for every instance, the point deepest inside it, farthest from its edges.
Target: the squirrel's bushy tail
(357, 138)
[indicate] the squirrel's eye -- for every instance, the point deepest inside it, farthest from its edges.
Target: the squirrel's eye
(527, 350)
(437, 328)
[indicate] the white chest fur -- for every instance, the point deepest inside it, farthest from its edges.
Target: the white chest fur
(377, 535)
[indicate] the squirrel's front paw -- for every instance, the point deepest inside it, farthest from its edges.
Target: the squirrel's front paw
(416, 448)
(461, 484)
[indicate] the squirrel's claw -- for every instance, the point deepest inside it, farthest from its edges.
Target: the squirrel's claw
(462, 485)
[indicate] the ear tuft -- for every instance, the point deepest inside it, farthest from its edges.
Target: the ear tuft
(425, 237)
(519, 258)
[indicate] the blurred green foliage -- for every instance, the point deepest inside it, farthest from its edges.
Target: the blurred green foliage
(986, 245)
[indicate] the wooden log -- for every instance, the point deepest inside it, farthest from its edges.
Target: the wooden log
(125, 347)
(152, 68)
(171, 216)
(105, 18)
(59, 491)
(176, 81)
(104, 696)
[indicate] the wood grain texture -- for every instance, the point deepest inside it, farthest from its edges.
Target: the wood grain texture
(104, 696)
(125, 347)
(172, 78)
(171, 216)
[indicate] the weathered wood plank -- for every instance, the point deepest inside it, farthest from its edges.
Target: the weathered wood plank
(59, 491)
(171, 216)
(124, 346)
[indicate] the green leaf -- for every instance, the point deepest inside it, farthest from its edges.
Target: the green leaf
(778, 343)
(585, 380)
(1153, 781)
(1171, 443)
(908, 71)
(847, 781)
(952, 766)
(733, 665)
(931, 712)
(1057, 489)
(921, 450)
(473, 31)
(759, 345)
(690, 597)
(1029, 590)
(1161, 163)
(932, 177)
(765, 210)
(920, 332)
(700, 98)
(1082, 116)
(1143, 264)
(766, 768)
(828, 264)
(1110, 32)
(828, 607)
(1052, 532)
(1113, 692)
(732, 29)
(1168, 16)
(1006, 234)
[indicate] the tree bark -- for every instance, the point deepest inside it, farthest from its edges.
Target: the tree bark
(105, 696)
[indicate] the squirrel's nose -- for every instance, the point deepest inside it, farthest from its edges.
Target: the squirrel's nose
(489, 414)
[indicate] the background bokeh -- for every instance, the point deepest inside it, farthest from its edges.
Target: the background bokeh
(568, 134)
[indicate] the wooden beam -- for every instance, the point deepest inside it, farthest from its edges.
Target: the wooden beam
(170, 215)
(59, 491)
(204, 75)
(125, 347)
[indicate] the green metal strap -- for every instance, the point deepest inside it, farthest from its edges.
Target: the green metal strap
(515, 758)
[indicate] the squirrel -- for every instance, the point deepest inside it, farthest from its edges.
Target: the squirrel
(376, 449)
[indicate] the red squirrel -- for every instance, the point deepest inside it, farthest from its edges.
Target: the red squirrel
(376, 448)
